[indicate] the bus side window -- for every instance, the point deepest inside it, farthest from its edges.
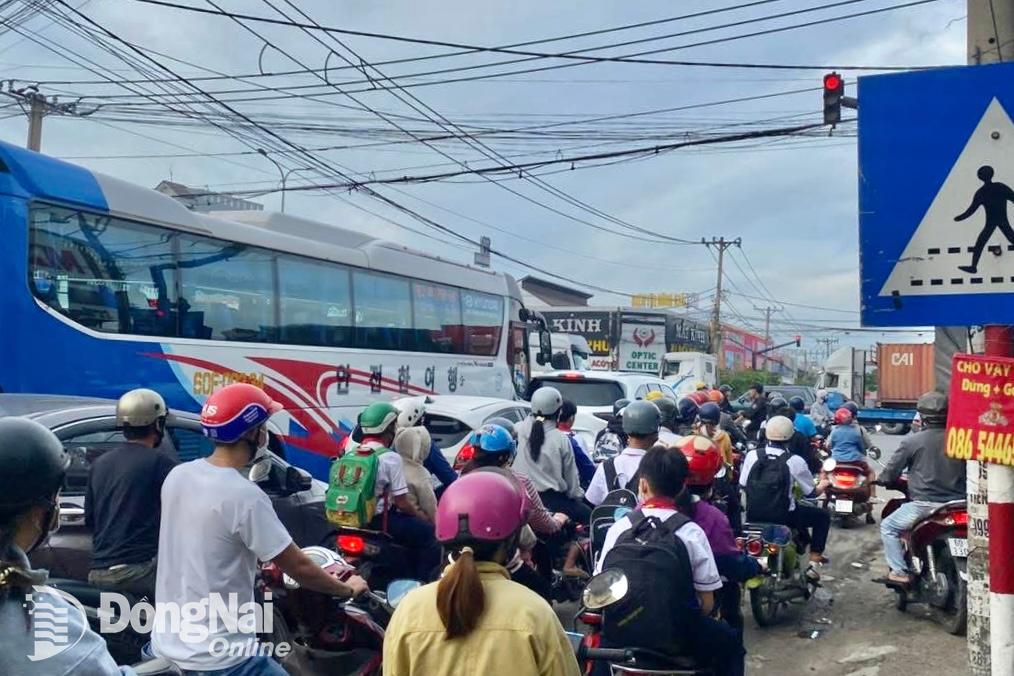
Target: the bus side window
(383, 312)
(315, 303)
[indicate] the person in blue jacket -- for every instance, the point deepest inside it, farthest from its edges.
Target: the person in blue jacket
(585, 466)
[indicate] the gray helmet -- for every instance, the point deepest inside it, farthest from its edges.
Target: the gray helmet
(140, 408)
(641, 418)
(546, 401)
(932, 408)
(619, 405)
(667, 409)
(504, 423)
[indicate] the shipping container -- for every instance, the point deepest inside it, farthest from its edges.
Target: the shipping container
(904, 373)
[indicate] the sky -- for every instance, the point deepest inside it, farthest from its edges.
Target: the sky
(793, 202)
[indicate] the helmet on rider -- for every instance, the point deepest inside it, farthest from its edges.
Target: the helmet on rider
(710, 413)
(716, 396)
(668, 411)
(495, 440)
(504, 423)
(703, 457)
(779, 429)
(853, 409)
(821, 395)
(797, 404)
(641, 419)
(654, 395)
(378, 418)
(486, 506)
(687, 410)
(777, 403)
(699, 397)
(234, 410)
(410, 411)
(546, 402)
(700, 385)
(843, 416)
(725, 389)
(34, 464)
(140, 412)
(932, 409)
(619, 405)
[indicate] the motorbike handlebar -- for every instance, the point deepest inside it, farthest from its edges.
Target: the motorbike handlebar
(605, 654)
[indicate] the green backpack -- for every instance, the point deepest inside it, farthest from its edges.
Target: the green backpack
(351, 494)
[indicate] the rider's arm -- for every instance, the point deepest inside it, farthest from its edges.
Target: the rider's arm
(437, 465)
(801, 475)
(309, 575)
(707, 601)
(405, 505)
(597, 489)
(897, 465)
(391, 476)
(569, 467)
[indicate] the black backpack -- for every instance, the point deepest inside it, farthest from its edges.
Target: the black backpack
(613, 480)
(767, 488)
(660, 605)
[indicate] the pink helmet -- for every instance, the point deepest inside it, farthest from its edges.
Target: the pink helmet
(481, 505)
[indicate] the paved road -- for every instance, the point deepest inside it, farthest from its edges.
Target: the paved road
(859, 631)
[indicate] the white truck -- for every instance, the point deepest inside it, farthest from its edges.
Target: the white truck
(683, 370)
(570, 353)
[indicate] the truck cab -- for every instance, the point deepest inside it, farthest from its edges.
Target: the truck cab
(682, 370)
(570, 353)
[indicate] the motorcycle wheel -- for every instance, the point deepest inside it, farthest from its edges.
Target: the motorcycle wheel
(953, 616)
(874, 453)
(764, 605)
(894, 428)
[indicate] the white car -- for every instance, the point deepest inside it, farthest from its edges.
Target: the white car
(594, 392)
(451, 418)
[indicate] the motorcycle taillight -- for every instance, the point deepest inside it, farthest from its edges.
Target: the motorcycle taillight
(845, 479)
(464, 456)
(351, 544)
(754, 547)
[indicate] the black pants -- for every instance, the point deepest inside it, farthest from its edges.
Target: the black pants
(803, 517)
(556, 501)
(711, 643)
(529, 577)
(737, 569)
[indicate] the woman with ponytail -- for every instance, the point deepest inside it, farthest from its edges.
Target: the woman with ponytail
(546, 457)
(475, 620)
(32, 467)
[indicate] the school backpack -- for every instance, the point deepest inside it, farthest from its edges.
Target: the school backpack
(660, 606)
(767, 488)
(608, 444)
(613, 480)
(351, 498)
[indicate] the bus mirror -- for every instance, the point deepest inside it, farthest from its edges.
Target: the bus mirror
(545, 347)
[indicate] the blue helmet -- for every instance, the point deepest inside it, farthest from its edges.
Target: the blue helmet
(710, 413)
(493, 439)
(686, 410)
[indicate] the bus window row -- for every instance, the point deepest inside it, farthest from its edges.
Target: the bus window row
(118, 276)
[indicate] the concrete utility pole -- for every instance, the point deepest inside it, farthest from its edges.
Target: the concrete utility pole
(767, 327)
(721, 244)
(991, 493)
(36, 112)
(828, 343)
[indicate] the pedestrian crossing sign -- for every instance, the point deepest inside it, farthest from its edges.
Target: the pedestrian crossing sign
(936, 192)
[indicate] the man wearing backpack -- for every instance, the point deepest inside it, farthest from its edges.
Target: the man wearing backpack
(770, 476)
(667, 612)
(367, 489)
(640, 424)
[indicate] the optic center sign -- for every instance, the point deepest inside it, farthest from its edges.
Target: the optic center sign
(642, 346)
(980, 419)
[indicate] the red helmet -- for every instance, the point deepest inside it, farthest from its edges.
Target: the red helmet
(703, 457)
(235, 409)
(716, 396)
(843, 416)
(699, 397)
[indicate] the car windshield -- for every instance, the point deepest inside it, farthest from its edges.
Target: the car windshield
(584, 392)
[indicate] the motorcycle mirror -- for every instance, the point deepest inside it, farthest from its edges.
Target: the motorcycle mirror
(720, 473)
(605, 589)
(260, 470)
(830, 464)
(399, 589)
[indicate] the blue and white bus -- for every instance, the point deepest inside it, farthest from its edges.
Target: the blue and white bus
(108, 286)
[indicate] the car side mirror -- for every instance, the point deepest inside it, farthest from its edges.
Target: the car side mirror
(297, 480)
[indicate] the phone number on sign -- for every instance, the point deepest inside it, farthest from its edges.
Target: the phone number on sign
(981, 445)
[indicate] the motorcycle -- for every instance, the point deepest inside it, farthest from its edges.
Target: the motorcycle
(849, 495)
(602, 591)
(565, 588)
(781, 554)
(377, 558)
(325, 634)
(936, 549)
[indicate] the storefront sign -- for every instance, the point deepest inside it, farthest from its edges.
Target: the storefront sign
(980, 419)
(642, 346)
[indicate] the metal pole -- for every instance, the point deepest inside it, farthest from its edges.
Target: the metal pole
(990, 609)
(36, 113)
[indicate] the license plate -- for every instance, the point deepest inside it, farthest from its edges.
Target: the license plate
(958, 547)
(843, 506)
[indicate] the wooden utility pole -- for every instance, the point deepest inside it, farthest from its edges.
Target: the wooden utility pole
(721, 244)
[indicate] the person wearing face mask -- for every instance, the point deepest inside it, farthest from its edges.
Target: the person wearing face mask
(34, 465)
(216, 526)
(122, 501)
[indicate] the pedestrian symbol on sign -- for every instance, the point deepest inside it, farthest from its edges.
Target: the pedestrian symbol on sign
(993, 198)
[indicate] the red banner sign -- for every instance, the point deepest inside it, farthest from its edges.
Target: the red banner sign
(980, 419)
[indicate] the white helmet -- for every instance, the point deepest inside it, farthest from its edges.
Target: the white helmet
(821, 395)
(140, 408)
(410, 411)
(779, 428)
(546, 401)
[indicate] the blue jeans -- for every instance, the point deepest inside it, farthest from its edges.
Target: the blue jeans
(253, 666)
(897, 523)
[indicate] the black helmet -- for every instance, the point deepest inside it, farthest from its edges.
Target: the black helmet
(687, 410)
(504, 423)
(641, 419)
(34, 463)
(932, 408)
(798, 404)
(619, 405)
(777, 403)
(851, 406)
(710, 413)
(667, 407)
(727, 389)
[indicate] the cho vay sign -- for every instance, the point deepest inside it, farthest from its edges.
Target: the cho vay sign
(980, 419)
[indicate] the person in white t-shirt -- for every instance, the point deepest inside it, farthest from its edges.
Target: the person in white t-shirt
(216, 526)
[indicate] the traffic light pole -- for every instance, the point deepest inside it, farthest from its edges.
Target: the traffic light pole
(991, 491)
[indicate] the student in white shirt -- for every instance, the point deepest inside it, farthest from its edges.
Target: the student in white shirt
(641, 420)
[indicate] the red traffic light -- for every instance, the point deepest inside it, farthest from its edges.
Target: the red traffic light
(798, 340)
(833, 82)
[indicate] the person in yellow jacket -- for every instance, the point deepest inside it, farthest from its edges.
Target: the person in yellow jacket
(475, 620)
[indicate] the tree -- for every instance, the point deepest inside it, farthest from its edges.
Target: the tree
(740, 381)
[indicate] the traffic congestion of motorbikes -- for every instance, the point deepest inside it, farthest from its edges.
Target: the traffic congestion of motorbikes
(652, 538)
